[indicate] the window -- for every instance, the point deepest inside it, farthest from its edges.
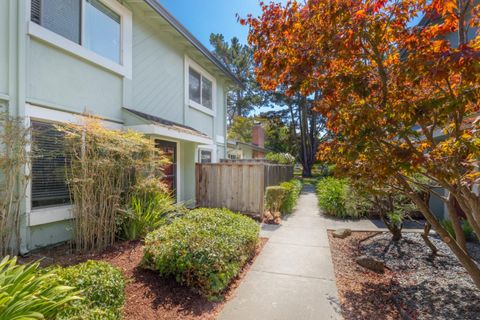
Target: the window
(89, 23)
(200, 89)
(49, 185)
(205, 156)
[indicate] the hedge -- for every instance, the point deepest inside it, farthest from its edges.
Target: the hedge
(203, 249)
(284, 197)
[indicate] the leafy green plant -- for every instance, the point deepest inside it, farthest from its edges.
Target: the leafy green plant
(466, 227)
(28, 293)
(293, 189)
(281, 158)
(102, 288)
(149, 205)
(337, 198)
(203, 249)
(274, 197)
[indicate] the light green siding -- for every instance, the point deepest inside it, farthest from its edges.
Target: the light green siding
(158, 71)
(4, 47)
(200, 121)
(187, 155)
(72, 84)
(47, 234)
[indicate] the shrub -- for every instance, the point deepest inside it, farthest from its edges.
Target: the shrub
(293, 189)
(204, 249)
(102, 288)
(466, 227)
(274, 197)
(149, 205)
(27, 293)
(337, 198)
(281, 158)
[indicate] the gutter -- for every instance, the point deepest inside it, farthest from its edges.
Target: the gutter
(158, 8)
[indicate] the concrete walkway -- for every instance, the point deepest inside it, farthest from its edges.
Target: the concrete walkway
(293, 276)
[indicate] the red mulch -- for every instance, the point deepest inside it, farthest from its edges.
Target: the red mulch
(363, 294)
(149, 296)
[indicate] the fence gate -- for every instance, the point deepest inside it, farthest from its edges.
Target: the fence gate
(237, 186)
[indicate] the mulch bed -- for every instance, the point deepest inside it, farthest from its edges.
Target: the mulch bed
(148, 295)
(415, 284)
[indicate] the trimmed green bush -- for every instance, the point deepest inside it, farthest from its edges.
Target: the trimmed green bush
(338, 199)
(466, 227)
(26, 292)
(274, 198)
(281, 158)
(293, 189)
(102, 288)
(203, 249)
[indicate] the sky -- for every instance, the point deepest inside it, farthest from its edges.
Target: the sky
(203, 17)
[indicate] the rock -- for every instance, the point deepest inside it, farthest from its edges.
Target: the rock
(371, 263)
(342, 233)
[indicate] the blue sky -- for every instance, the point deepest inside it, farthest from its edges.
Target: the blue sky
(203, 17)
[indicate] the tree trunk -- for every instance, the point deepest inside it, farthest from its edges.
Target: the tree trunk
(467, 262)
(457, 226)
(426, 232)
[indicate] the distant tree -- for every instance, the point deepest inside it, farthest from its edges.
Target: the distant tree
(240, 129)
(238, 58)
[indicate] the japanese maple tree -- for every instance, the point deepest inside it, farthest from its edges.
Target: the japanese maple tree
(400, 99)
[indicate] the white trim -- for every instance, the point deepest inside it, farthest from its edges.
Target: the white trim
(123, 69)
(51, 115)
(220, 139)
(4, 97)
(189, 63)
(49, 215)
(152, 129)
(212, 148)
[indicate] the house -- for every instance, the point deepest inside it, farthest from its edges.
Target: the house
(237, 150)
(129, 62)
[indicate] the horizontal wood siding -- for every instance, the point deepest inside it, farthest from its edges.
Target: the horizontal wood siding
(239, 187)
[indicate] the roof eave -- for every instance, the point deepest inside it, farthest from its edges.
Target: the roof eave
(155, 5)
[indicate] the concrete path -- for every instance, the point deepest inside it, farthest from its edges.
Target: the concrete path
(293, 276)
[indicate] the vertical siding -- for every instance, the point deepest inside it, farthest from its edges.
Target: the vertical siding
(4, 39)
(158, 72)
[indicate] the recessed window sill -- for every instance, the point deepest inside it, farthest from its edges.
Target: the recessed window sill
(41, 33)
(40, 216)
(199, 107)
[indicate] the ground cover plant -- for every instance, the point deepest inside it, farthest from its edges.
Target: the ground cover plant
(26, 292)
(102, 291)
(203, 249)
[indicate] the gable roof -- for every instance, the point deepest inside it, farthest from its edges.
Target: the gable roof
(163, 12)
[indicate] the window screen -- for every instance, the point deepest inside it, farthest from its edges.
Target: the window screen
(60, 16)
(49, 185)
(205, 156)
(194, 85)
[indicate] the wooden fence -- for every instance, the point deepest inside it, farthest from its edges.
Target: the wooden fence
(238, 186)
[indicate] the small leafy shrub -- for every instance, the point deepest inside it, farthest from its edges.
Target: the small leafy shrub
(338, 199)
(203, 249)
(293, 189)
(281, 158)
(28, 293)
(274, 197)
(150, 203)
(466, 227)
(102, 287)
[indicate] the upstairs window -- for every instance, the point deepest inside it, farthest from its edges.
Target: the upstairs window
(89, 23)
(201, 88)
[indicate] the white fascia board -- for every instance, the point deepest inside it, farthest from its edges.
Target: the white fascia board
(42, 216)
(152, 129)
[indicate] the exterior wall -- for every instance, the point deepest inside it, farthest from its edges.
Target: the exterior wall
(34, 72)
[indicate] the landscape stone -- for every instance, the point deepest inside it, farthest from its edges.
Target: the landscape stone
(342, 233)
(371, 263)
